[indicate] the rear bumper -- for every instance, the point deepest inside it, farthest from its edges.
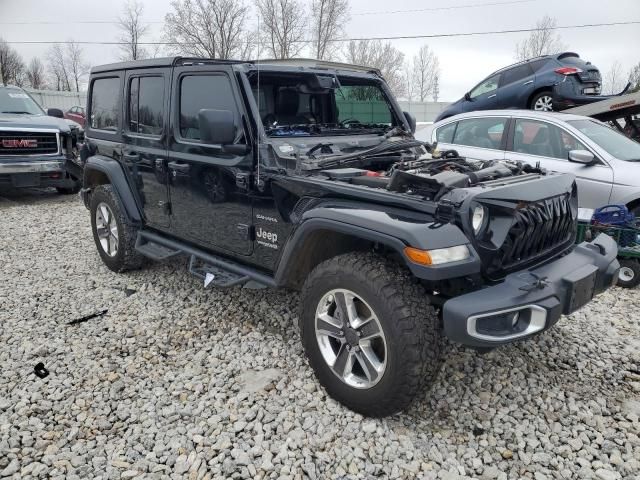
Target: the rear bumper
(520, 306)
(565, 96)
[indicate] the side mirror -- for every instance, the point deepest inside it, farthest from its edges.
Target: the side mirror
(582, 156)
(411, 120)
(217, 127)
(467, 96)
(55, 112)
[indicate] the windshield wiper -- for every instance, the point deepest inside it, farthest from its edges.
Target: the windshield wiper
(18, 112)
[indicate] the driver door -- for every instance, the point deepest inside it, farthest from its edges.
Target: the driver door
(484, 96)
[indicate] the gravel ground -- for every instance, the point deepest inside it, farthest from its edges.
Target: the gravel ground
(175, 381)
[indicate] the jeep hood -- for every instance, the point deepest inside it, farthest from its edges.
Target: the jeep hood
(19, 121)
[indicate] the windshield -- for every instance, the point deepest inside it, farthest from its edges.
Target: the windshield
(16, 101)
(294, 104)
(611, 141)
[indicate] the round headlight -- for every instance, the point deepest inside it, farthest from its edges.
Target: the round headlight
(477, 220)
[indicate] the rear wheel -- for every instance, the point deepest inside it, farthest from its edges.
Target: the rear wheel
(369, 333)
(115, 238)
(542, 102)
(629, 274)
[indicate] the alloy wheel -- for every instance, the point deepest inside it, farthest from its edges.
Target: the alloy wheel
(351, 338)
(544, 104)
(107, 229)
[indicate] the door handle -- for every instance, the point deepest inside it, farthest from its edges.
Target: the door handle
(527, 83)
(179, 167)
(492, 96)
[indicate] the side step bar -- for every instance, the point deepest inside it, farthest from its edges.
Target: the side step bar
(225, 272)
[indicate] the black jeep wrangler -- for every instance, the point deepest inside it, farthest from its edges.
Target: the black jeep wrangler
(306, 175)
(37, 149)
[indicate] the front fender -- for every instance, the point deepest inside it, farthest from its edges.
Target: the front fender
(394, 228)
(97, 169)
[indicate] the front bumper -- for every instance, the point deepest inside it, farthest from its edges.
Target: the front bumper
(528, 302)
(35, 173)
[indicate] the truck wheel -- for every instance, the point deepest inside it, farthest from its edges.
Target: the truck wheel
(114, 236)
(542, 102)
(629, 274)
(70, 190)
(369, 333)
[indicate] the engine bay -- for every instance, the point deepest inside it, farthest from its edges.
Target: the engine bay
(431, 178)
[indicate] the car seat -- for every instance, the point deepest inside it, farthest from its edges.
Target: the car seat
(541, 144)
(286, 109)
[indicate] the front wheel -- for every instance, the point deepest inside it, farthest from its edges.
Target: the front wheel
(369, 333)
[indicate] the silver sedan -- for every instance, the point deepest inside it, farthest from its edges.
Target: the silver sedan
(606, 164)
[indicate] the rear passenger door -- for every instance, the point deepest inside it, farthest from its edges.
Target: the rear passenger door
(516, 86)
(481, 138)
(145, 145)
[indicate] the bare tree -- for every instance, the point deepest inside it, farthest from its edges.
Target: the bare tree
(208, 28)
(407, 76)
(133, 29)
(327, 24)
(436, 87)
(283, 24)
(11, 65)
(76, 65)
(383, 56)
(56, 59)
(614, 80)
(544, 40)
(424, 72)
(35, 74)
(634, 78)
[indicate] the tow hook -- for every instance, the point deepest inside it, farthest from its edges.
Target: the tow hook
(539, 283)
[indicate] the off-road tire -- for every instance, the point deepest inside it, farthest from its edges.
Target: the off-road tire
(410, 324)
(631, 266)
(126, 258)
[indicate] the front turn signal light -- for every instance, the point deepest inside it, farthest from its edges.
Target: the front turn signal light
(437, 256)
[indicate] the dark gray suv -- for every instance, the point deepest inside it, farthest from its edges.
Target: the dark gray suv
(551, 82)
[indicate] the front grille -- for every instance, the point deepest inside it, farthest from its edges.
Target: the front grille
(28, 143)
(537, 230)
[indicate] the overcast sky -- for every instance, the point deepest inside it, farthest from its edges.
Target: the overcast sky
(464, 60)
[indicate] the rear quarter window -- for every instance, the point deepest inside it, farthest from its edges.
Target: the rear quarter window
(105, 104)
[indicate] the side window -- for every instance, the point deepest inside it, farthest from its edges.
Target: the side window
(198, 92)
(538, 64)
(445, 134)
(105, 104)
(544, 139)
(489, 85)
(515, 74)
(146, 100)
(480, 132)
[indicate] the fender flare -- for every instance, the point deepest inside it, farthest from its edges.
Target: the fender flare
(117, 178)
(353, 223)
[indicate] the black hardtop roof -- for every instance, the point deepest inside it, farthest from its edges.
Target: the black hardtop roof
(274, 65)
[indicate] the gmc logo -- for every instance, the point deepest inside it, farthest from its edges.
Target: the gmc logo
(23, 143)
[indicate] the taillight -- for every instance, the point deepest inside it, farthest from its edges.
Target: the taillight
(567, 70)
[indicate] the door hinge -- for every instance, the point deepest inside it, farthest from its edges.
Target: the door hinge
(246, 232)
(243, 180)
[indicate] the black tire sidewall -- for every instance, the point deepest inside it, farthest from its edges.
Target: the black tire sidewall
(101, 195)
(361, 400)
(633, 265)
